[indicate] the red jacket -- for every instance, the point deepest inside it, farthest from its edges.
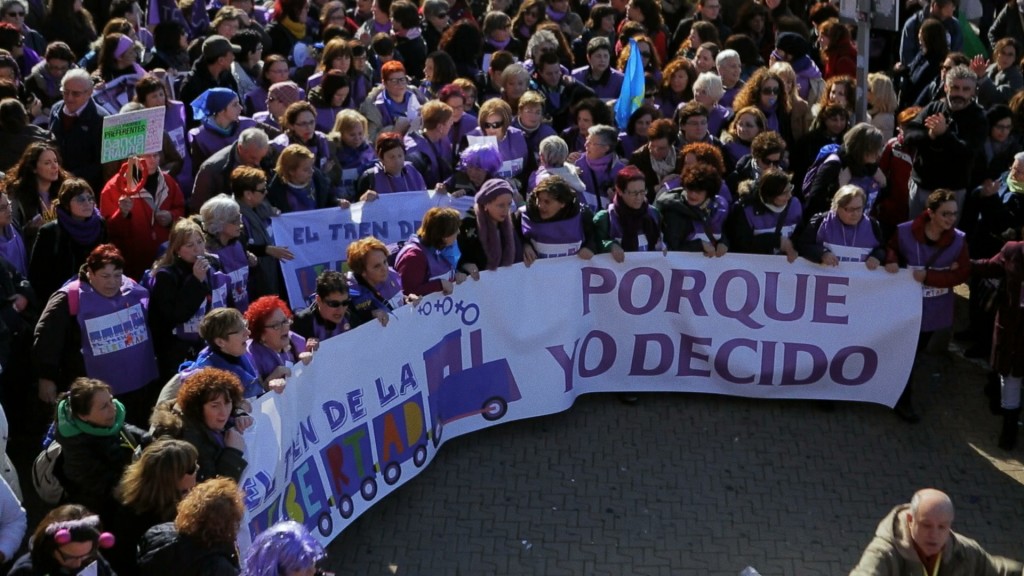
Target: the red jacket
(841, 61)
(138, 236)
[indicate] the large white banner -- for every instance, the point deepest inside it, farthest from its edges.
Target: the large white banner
(376, 403)
(319, 238)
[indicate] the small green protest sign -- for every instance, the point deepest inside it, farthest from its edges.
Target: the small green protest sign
(132, 133)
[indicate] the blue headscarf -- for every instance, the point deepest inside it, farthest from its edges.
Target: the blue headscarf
(209, 103)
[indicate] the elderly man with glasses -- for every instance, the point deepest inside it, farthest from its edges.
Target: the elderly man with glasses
(76, 123)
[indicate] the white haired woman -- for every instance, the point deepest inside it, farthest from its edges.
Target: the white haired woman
(222, 222)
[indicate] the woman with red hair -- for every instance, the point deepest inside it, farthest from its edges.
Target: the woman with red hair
(629, 224)
(837, 51)
(273, 346)
(392, 107)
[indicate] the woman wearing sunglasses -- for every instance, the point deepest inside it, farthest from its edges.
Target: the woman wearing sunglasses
(328, 315)
(764, 90)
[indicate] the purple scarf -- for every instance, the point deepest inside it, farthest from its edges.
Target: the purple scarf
(13, 249)
(601, 163)
(633, 221)
(555, 14)
(83, 232)
(500, 250)
(499, 45)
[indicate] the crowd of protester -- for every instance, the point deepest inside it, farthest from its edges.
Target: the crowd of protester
(148, 295)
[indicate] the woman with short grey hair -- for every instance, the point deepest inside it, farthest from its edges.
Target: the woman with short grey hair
(708, 90)
(553, 152)
(598, 165)
(222, 222)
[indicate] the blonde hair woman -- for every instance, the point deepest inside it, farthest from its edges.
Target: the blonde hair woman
(882, 104)
(800, 110)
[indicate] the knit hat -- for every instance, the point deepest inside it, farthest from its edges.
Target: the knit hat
(491, 190)
(286, 93)
(211, 102)
(793, 44)
(216, 46)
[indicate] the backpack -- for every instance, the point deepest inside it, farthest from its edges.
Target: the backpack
(44, 474)
(826, 152)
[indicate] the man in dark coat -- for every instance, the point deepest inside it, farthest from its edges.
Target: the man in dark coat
(76, 123)
(212, 70)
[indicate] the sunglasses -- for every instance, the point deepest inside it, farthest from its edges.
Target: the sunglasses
(15, 14)
(194, 470)
(441, 15)
(494, 125)
(337, 303)
(769, 91)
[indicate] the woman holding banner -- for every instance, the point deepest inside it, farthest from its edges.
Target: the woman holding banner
(298, 185)
(353, 153)
(487, 238)
(375, 288)
(844, 233)
(937, 254)
(477, 164)
(629, 224)
(273, 346)
(427, 263)
(765, 217)
(554, 223)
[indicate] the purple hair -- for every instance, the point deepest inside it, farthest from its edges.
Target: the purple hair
(481, 156)
(284, 547)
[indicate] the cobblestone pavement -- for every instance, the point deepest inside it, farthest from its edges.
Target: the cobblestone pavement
(694, 484)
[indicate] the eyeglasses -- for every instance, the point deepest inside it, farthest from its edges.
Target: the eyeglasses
(1003, 127)
(441, 15)
(398, 81)
(82, 558)
(74, 93)
(85, 199)
(306, 124)
(769, 91)
(494, 125)
(770, 162)
(634, 193)
(15, 14)
(336, 303)
(260, 190)
(286, 323)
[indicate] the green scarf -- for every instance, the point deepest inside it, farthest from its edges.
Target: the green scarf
(1015, 186)
(297, 29)
(70, 426)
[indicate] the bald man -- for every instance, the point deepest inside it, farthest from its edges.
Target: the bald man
(917, 538)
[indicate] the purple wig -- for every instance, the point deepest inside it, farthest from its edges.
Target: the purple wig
(284, 547)
(481, 156)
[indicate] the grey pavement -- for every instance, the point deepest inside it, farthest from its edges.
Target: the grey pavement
(694, 484)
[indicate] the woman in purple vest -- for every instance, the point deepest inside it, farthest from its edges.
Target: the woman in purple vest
(222, 221)
(219, 112)
(374, 287)
(300, 128)
(353, 153)
(329, 98)
(937, 254)
(496, 120)
(186, 284)
(765, 90)
(487, 238)
(273, 346)
(279, 97)
(629, 224)
(336, 55)
(745, 126)
(599, 165)
(12, 247)
(676, 86)
(845, 233)
(764, 219)
(429, 149)
(427, 263)
(708, 91)
(63, 245)
(275, 70)
(226, 335)
(463, 122)
(554, 223)
(599, 75)
(694, 215)
(855, 163)
(96, 327)
(635, 135)
(298, 185)
(391, 173)
(151, 92)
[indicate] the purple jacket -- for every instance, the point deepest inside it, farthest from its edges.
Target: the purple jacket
(607, 87)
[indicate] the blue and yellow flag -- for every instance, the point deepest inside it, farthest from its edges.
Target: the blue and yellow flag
(632, 94)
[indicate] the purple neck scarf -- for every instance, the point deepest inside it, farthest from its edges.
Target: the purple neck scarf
(555, 14)
(83, 232)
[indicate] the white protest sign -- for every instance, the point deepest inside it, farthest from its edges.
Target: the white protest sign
(132, 133)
